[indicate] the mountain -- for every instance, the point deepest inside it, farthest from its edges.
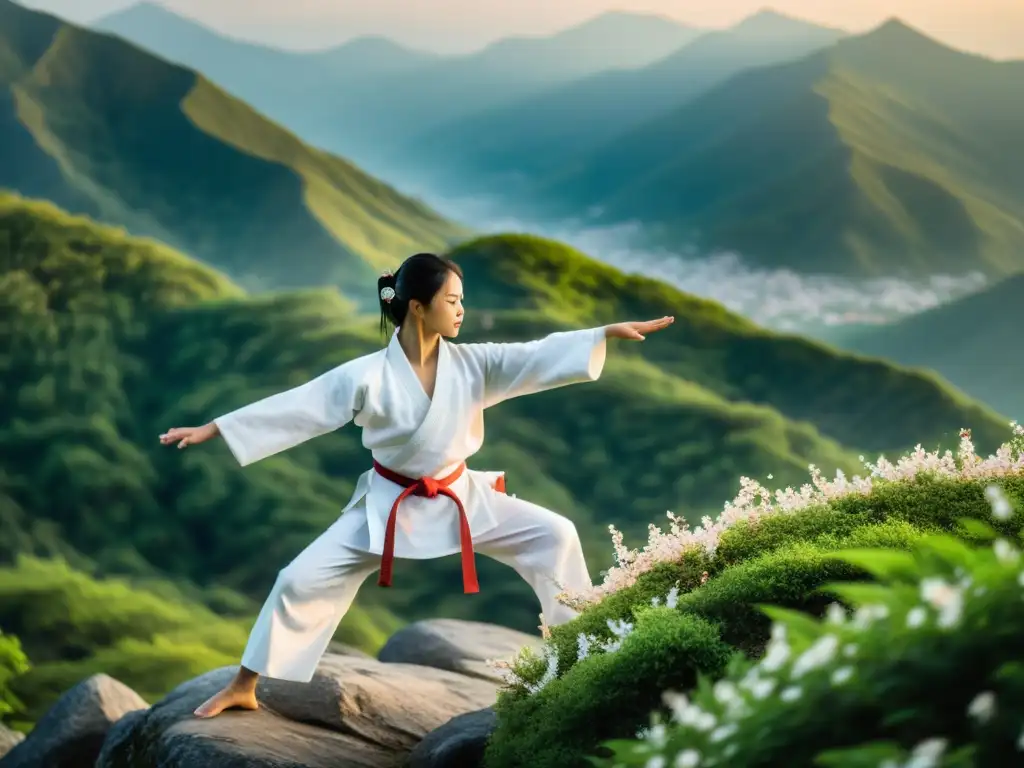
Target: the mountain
(103, 128)
(970, 342)
(388, 111)
(886, 153)
(360, 98)
(532, 136)
(291, 88)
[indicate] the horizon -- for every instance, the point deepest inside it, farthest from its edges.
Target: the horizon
(459, 27)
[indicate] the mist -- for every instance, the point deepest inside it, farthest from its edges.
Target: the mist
(780, 299)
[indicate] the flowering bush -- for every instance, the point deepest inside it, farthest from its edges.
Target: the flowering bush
(755, 502)
(929, 671)
(559, 705)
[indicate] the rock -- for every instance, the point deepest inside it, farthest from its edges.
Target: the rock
(343, 649)
(456, 645)
(71, 733)
(459, 743)
(355, 713)
(119, 735)
(8, 739)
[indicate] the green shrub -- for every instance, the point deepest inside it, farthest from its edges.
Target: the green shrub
(929, 664)
(928, 504)
(601, 695)
(785, 559)
(13, 662)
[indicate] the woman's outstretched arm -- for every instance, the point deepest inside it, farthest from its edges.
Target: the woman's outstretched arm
(567, 357)
(284, 420)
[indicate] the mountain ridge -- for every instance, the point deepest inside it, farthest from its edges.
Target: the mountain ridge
(528, 137)
(387, 104)
(914, 163)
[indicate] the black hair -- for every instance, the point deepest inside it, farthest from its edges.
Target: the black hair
(420, 277)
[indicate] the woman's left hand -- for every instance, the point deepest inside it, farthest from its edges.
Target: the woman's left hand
(637, 331)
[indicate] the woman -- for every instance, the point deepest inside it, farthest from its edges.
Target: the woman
(420, 404)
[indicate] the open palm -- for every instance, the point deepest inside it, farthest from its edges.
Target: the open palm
(637, 331)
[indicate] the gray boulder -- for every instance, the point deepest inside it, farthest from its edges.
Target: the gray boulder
(459, 743)
(456, 645)
(355, 713)
(72, 732)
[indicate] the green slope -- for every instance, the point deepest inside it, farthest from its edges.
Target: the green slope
(532, 136)
(970, 342)
(103, 128)
(862, 403)
(886, 153)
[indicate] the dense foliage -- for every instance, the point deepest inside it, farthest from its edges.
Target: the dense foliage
(561, 705)
(928, 671)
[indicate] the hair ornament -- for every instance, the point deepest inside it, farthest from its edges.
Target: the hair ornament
(387, 293)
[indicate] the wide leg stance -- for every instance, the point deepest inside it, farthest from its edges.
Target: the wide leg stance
(314, 592)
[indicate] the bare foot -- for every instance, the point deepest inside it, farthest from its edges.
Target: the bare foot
(228, 698)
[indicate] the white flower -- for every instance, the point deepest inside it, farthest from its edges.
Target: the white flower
(688, 758)
(550, 673)
(791, 694)
(818, 655)
(1020, 741)
(982, 706)
(864, 616)
(835, 613)
(582, 646)
(656, 762)
(916, 617)
(841, 675)
(672, 600)
(723, 732)
(725, 692)
(927, 754)
(677, 702)
(658, 735)
(1001, 508)
(778, 650)
(762, 688)
(850, 650)
(1005, 551)
(948, 598)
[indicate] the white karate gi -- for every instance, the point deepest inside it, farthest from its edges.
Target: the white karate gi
(415, 436)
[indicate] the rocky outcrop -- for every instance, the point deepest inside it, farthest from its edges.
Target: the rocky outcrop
(455, 645)
(357, 712)
(72, 732)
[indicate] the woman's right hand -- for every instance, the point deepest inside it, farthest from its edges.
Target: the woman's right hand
(185, 436)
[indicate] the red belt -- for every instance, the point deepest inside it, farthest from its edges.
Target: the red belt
(430, 488)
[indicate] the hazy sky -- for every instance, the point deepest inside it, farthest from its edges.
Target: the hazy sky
(992, 27)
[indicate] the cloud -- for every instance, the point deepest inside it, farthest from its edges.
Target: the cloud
(780, 299)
